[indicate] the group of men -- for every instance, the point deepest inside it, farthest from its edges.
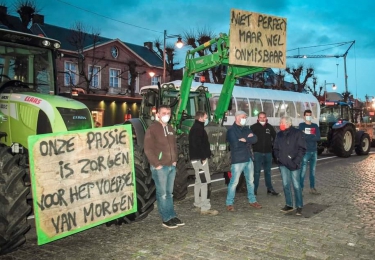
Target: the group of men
(251, 149)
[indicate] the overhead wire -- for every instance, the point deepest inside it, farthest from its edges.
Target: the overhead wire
(107, 17)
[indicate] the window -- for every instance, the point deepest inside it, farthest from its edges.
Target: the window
(94, 75)
(213, 103)
(290, 109)
(256, 107)
(155, 80)
(268, 107)
(279, 108)
(314, 109)
(243, 105)
(71, 74)
(232, 111)
(300, 109)
(114, 78)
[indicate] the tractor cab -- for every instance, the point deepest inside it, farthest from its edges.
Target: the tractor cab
(169, 94)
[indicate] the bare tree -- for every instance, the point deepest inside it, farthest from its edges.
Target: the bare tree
(26, 9)
(297, 74)
(82, 38)
(346, 95)
(169, 56)
(131, 72)
(195, 38)
(279, 82)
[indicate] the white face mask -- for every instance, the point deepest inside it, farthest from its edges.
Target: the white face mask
(262, 123)
(243, 121)
(308, 118)
(165, 119)
(206, 122)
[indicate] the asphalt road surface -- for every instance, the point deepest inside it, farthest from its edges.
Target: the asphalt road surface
(338, 224)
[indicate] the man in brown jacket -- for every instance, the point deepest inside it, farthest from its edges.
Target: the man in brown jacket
(161, 150)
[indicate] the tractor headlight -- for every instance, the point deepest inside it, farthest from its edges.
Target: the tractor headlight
(46, 43)
(56, 45)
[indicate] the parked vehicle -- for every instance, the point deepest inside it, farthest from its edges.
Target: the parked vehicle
(29, 106)
(343, 131)
(185, 99)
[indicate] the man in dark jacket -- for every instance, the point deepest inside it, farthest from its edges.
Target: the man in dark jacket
(289, 148)
(263, 152)
(240, 138)
(199, 152)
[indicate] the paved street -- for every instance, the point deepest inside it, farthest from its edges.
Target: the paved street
(345, 229)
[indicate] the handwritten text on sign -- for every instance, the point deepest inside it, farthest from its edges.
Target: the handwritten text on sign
(257, 39)
(81, 179)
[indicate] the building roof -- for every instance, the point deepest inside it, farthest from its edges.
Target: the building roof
(149, 56)
(63, 34)
(13, 23)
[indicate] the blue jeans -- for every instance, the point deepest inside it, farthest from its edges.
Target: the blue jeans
(264, 159)
(248, 170)
(164, 181)
(312, 157)
(292, 178)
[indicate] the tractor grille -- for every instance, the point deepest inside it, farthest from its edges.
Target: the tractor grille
(324, 129)
(217, 136)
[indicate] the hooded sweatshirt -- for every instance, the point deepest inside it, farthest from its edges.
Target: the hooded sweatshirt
(160, 145)
(266, 135)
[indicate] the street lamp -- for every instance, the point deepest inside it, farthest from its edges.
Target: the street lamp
(325, 89)
(367, 100)
(179, 45)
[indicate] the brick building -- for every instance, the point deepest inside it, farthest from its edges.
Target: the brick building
(98, 64)
(101, 72)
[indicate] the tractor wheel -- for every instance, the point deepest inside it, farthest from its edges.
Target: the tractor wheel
(145, 188)
(180, 188)
(13, 204)
(364, 146)
(343, 141)
(320, 150)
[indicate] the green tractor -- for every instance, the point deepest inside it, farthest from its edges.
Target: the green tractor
(185, 101)
(342, 131)
(28, 106)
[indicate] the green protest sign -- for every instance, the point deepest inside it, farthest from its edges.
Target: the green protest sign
(81, 179)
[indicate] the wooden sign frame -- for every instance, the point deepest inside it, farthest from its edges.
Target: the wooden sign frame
(81, 179)
(257, 40)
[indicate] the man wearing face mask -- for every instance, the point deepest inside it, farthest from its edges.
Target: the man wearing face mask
(263, 152)
(312, 136)
(199, 152)
(240, 137)
(289, 148)
(161, 150)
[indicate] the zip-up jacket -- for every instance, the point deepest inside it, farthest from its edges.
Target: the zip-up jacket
(266, 135)
(240, 151)
(160, 145)
(199, 147)
(312, 136)
(289, 148)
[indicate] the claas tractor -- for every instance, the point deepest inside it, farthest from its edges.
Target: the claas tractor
(28, 106)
